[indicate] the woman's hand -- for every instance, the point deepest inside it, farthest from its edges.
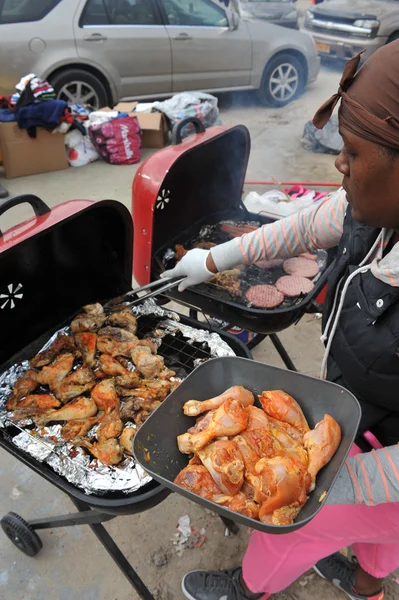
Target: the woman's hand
(197, 266)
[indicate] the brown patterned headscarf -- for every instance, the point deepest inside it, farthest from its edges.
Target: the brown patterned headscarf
(369, 98)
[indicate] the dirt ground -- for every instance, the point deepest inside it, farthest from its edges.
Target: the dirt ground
(72, 563)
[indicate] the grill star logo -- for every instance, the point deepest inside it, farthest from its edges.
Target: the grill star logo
(163, 199)
(14, 293)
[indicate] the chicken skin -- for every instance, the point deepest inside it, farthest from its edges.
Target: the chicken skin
(126, 440)
(75, 384)
(108, 452)
(54, 374)
(110, 345)
(196, 479)
(87, 344)
(80, 408)
(240, 504)
(23, 386)
(257, 419)
(322, 443)
(225, 465)
(229, 419)
(113, 368)
(283, 407)
(119, 335)
(62, 343)
(111, 426)
(124, 319)
(92, 318)
(79, 427)
(193, 408)
(105, 396)
(35, 404)
(148, 364)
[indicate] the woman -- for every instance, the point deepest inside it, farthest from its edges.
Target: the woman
(361, 335)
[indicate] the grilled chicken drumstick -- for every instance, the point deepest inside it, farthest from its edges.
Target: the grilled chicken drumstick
(105, 396)
(54, 374)
(87, 344)
(92, 318)
(62, 343)
(108, 452)
(80, 408)
(23, 386)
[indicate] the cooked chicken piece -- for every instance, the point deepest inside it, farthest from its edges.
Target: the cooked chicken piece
(257, 419)
(160, 385)
(92, 318)
(124, 319)
(80, 408)
(240, 504)
(129, 380)
(283, 407)
(180, 251)
(192, 408)
(143, 415)
(322, 443)
(112, 367)
(148, 365)
(225, 464)
(54, 374)
(229, 280)
(146, 393)
(76, 384)
(120, 335)
(111, 426)
(87, 344)
(284, 482)
(110, 345)
(35, 404)
(109, 452)
(62, 343)
(205, 245)
(105, 396)
(166, 374)
(23, 386)
(126, 440)
(196, 479)
(79, 427)
(292, 431)
(229, 419)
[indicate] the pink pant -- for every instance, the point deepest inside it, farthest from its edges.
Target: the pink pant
(273, 562)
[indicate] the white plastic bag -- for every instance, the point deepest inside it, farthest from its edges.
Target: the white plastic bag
(190, 104)
(274, 204)
(80, 149)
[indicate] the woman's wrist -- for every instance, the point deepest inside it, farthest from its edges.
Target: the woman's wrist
(210, 264)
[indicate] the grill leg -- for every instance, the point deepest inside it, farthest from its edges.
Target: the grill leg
(116, 554)
(282, 352)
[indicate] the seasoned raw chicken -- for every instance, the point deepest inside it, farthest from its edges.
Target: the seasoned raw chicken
(224, 462)
(92, 318)
(283, 407)
(35, 404)
(62, 343)
(257, 419)
(87, 344)
(54, 374)
(196, 479)
(105, 396)
(80, 408)
(108, 452)
(79, 427)
(111, 426)
(322, 443)
(126, 440)
(229, 419)
(240, 504)
(192, 408)
(202, 422)
(124, 319)
(23, 386)
(148, 364)
(75, 384)
(292, 431)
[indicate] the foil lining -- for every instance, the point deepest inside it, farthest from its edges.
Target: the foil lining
(48, 447)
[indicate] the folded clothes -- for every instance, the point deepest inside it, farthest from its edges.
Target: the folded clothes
(41, 114)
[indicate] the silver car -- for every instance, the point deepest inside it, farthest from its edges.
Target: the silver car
(100, 51)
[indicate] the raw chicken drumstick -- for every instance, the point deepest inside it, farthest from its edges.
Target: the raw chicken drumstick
(283, 407)
(229, 419)
(80, 408)
(225, 464)
(193, 408)
(321, 443)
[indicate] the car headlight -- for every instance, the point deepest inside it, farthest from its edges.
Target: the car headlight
(292, 15)
(367, 23)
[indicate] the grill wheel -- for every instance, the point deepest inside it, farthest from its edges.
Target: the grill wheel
(21, 534)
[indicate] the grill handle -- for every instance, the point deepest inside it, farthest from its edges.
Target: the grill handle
(178, 128)
(40, 208)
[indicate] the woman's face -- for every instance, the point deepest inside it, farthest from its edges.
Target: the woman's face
(371, 181)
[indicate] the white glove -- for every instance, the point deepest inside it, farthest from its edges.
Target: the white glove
(193, 266)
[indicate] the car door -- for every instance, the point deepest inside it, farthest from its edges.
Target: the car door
(128, 40)
(206, 52)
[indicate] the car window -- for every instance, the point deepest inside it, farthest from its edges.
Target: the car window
(195, 13)
(119, 12)
(25, 11)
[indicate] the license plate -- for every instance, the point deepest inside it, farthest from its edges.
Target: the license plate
(323, 48)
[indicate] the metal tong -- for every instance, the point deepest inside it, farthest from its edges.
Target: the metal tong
(127, 301)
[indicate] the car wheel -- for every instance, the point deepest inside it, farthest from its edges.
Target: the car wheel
(394, 36)
(76, 86)
(283, 80)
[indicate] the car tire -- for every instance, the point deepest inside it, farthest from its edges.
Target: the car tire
(394, 36)
(278, 68)
(77, 86)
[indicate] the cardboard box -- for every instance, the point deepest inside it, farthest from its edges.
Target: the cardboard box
(25, 156)
(153, 125)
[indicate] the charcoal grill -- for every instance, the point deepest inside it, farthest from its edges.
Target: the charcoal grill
(77, 253)
(199, 181)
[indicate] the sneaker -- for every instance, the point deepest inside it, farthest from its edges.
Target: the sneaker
(341, 572)
(217, 585)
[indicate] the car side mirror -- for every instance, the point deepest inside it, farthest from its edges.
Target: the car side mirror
(234, 20)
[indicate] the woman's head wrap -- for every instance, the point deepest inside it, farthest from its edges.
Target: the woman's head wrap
(369, 98)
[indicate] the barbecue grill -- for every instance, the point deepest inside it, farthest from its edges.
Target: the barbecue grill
(197, 182)
(77, 253)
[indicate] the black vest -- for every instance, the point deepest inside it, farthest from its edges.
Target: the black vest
(363, 355)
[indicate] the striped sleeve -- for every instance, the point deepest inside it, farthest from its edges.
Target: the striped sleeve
(316, 227)
(371, 478)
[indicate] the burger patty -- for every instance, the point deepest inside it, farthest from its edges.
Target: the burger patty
(264, 296)
(301, 267)
(293, 285)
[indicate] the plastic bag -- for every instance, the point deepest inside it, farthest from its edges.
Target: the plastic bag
(190, 104)
(274, 204)
(118, 141)
(80, 149)
(326, 140)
